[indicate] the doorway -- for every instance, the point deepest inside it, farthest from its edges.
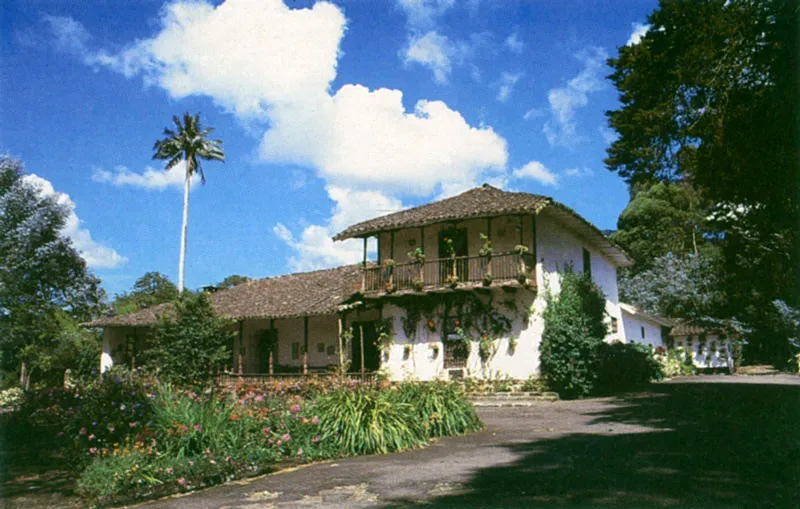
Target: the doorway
(267, 344)
(459, 238)
(372, 358)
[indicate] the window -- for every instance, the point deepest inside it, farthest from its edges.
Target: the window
(614, 325)
(642, 328)
(587, 262)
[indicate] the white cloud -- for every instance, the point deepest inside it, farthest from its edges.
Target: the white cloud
(561, 129)
(533, 113)
(315, 248)
(97, 256)
(151, 179)
(514, 44)
(538, 172)
(506, 85)
(639, 31)
(69, 35)
(433, 51)
(278, 67)
(609, 135)
(365, 139)
(579, 172)
(423, 14)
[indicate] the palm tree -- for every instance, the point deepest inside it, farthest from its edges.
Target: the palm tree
(187, 143)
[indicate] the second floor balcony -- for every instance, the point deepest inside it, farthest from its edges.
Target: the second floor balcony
(452, 272)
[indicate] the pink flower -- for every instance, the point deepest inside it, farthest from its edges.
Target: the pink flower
(60, 434)
(315, 440)
(197, 427)
(286, 437)
(295, 409)
(315, 420)
(300, 451)
(133, 424)
(182, 481)
(259, 398)
(82, 431)
(93, 450)
(92, 437)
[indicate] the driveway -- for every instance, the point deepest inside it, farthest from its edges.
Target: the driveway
(706, 444)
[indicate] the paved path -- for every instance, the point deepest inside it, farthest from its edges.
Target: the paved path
(708, 444)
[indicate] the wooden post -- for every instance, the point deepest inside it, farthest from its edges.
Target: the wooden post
(241, 344)
(391, 245)
(521, 237)
(305, 345)
(489, 235)
(361, 334)
(364, 268)
(272, 347)
(341, 346)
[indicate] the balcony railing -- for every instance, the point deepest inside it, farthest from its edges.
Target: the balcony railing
(449, 272)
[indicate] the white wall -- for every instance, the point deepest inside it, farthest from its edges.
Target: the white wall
(716, 352)
(631, 330)
(557, 248)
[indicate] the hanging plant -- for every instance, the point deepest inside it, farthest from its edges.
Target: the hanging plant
(385, 335)
(452, 280)
(487, 279)
(512, 344)
(418, 284)
(406, 352)
(418, 256)
(434, 351)
(389, 263)
(487, 347)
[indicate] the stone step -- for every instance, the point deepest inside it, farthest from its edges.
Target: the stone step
(511, 399)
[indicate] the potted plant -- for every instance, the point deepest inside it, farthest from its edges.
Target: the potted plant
(434, 350)
(486, 252)
(512, 344)
(418, 284)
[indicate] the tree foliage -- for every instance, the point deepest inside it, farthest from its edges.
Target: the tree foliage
(709, 98)
(192, 346)
(45, 287)
(231, 281)
(573, 330)
(662, 218)
(149, 290)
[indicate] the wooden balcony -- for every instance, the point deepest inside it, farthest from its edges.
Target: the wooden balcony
(455, 272)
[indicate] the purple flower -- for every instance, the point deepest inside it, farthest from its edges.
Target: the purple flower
(197, 427)
(295, 409)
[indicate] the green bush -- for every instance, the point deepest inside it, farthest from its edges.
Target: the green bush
(442, 406)
(677, 362)
(367, 421)
(191, 347)
(573, 331)
(626, 366)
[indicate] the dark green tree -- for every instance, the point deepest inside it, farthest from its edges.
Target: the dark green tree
(149, 290)
(231, 281)
(45, 287)
(190, 347)
(573, 330)
(662, 218)
(189, 144)
(709, 97)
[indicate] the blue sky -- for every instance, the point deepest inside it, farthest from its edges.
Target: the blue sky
(330, 112)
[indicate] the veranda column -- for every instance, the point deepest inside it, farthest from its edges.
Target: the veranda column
(361, 335)
(305, 345)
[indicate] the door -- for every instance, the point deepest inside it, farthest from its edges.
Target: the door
(372, 358)
(459, 238)
(267, 343)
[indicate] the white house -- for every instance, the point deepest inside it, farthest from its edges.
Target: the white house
(436, 301)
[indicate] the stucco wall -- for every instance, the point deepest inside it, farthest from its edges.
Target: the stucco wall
(716, 353)
(631, 330)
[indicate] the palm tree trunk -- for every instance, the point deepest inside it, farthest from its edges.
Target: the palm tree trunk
(184, 230)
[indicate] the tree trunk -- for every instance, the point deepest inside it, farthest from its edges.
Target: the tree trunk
(184, 229)
(24, 378)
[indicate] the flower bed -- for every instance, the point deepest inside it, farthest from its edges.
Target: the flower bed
(137, 439)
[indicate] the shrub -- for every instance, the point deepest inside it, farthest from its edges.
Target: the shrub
(366, 421)
(11, 398)
(573, 331)
(626, 366)
(191, 347)
(677, 362)
(442, 406)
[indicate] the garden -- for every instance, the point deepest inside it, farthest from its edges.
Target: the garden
(133, 437)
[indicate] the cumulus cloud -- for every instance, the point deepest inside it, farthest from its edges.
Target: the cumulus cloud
(315, 247)
(365, 139)
(639, 31)
(506, 85)
(609, 135)
(96, 255)
(278, 67)
(514, 43)
(537, 171)
(151, 179)
(434, 51)
(561, 128)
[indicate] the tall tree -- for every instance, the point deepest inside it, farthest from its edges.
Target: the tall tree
(187, 143)
(662, 218)
(149, 290)
(45, 287)
(709, 97)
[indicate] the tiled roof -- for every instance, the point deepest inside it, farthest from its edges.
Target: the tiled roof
(303, 294)
(483, 202)
(690, 329)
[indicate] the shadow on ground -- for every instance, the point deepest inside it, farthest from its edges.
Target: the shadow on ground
(714, 445)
